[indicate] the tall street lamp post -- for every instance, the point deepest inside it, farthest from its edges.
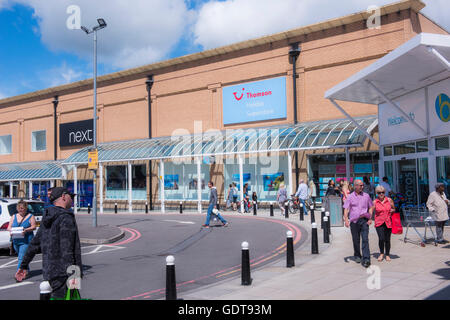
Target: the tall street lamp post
(101, 25)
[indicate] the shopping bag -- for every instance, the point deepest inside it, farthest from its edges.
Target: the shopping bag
(396, 223)
(73, 294)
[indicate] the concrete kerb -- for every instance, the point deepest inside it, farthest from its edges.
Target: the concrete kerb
(103, 241)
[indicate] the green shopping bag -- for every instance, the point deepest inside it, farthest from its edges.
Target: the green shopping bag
(71, 294)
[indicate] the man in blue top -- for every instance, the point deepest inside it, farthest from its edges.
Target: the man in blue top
(213, 199)
(302, 193)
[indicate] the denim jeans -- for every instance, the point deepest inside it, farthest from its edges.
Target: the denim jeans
(208, 215)
(21, 249)
(360, 231)
(305, 208)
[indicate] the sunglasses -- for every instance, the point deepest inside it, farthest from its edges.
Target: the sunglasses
(382, 192)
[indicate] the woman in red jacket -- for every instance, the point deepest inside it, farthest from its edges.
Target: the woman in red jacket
(382, 210)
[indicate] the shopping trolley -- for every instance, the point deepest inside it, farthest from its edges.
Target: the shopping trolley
(419, 217)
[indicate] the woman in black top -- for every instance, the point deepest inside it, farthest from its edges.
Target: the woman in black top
(332, 189)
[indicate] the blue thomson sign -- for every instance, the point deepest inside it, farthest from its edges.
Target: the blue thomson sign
(255, 101)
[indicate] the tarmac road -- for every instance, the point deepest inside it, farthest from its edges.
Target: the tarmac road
(134, 266)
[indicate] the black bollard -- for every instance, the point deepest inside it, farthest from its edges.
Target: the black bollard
(314, 239)
(246, 279)
(271, 209)
(115, 207)
(301, 212)
(171, 286)
(45, 290)
(181, 207)
(326, 235)
(254, 208)
(290, 260)
(89, 208)
(322, 215)
(313, 218)
(146, 207)
(286, 210)
(328, 225)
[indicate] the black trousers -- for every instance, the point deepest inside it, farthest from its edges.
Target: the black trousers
(360, 231)
(384, 238)
(59, 287)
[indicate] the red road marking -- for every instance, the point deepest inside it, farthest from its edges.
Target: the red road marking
(134, 236)
(294, 228)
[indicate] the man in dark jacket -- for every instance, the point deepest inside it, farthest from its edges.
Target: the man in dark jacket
(59, 242)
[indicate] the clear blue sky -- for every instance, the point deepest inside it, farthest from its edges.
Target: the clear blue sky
(38, 50)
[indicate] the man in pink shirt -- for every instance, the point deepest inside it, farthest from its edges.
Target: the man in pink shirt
(358, 216)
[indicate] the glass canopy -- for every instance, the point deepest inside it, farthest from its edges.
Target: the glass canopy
(31, 171)
(303, 136)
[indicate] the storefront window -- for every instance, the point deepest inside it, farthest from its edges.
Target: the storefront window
(116, 182)
(180, 181)
(424, 184)
(407, 178)
(139, 182)
(443, 172)
(442, 143)
(405, 148)
(388, 151)
(422, 146)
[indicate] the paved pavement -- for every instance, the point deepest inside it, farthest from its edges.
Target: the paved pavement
(415, 272)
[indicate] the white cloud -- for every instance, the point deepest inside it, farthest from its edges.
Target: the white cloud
(61, 75)
(138, 33)
(225, 22)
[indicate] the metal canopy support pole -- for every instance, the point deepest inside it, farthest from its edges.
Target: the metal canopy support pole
(11, 193)
(100, 171)
(130, 187)
(353, 121)
(440, 57)
(347, 165)
(161, 172)
(30, 188)
(290, 173)
(199, 185)
(393, 104)
(241, 182)
(75, 189)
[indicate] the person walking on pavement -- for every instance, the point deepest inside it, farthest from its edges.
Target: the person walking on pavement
(281, 197)
(302, 193)
(437, 204)
(358, 210)
(59, 241)
(382, 211)
(387, 187)
(213, 199)
(27, 221)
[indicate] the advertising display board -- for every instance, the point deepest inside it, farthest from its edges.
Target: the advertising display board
(76, 133)
(439, 105)
(254, 101)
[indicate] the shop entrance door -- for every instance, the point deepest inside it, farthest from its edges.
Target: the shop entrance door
(407, 180)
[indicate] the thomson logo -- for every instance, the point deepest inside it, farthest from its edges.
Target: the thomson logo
(251, 95)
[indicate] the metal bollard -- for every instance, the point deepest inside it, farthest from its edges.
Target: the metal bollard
(45, 290)
(246, 279)
(286, 210)
(89, 208)
(322, 215)
(254, 208)
(314, 239)
(301, 212)
(328, 225)
(146, 207)
(181, 206)
(271, 209)
(326, 235)
(313, 218)
(115, 207)
(290, 260)
(171, 287)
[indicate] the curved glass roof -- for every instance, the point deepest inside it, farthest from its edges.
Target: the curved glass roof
(303, 136)
(31, 171)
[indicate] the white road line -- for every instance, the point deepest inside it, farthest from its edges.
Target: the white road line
(185, 222)
(97, 249)
(16, 285)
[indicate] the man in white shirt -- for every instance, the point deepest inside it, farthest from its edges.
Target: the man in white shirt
(386, 186)
(302, 192)
(437, 203)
